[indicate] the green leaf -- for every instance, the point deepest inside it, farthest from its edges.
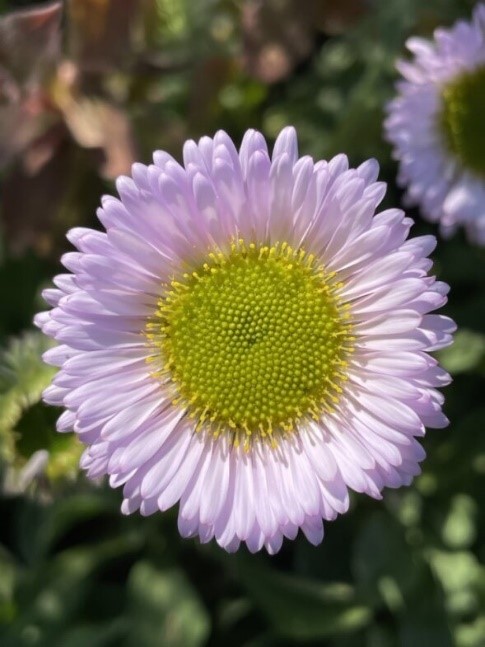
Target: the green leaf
(298, 608)
(23, 377)
(466, 354)
(460, 574)
(471, 635)
(459, 528)
(165, 609)
(458, 570)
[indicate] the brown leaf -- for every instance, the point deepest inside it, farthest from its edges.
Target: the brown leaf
(95, 123)
(30, 43)
(101, 32)
(277, 35)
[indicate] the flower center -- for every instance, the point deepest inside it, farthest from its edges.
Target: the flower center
(462, 119)
(253, 341)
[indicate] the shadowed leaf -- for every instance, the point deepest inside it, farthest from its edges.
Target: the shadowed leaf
(301, 609)
(165, 608)
(390, 571)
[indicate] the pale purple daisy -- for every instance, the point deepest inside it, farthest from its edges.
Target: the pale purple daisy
(437, 126)
(249, 340)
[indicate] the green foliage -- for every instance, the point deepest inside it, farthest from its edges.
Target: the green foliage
(302, 609)
(23, 377)
(467, 353)
(166, 608)
(28, 441)
(393, 573)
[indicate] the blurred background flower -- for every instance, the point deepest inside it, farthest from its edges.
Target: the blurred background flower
(84, 89)
(437, 126)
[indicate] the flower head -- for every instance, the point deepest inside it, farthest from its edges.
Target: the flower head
(249, 340)
(437, 127)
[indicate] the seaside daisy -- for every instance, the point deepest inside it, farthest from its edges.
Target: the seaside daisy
(248, 339)
(437, 126)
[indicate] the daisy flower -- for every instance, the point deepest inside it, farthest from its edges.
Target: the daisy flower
(248, 339)
(437, 126)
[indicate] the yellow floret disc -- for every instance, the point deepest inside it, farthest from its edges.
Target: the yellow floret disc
(463, 119)
(253, 340)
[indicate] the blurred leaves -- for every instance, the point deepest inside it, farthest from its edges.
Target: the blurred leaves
(390, 570)
(58, 107)
(166, 608)
(277, 34)
(459, 527)
(301, 609)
